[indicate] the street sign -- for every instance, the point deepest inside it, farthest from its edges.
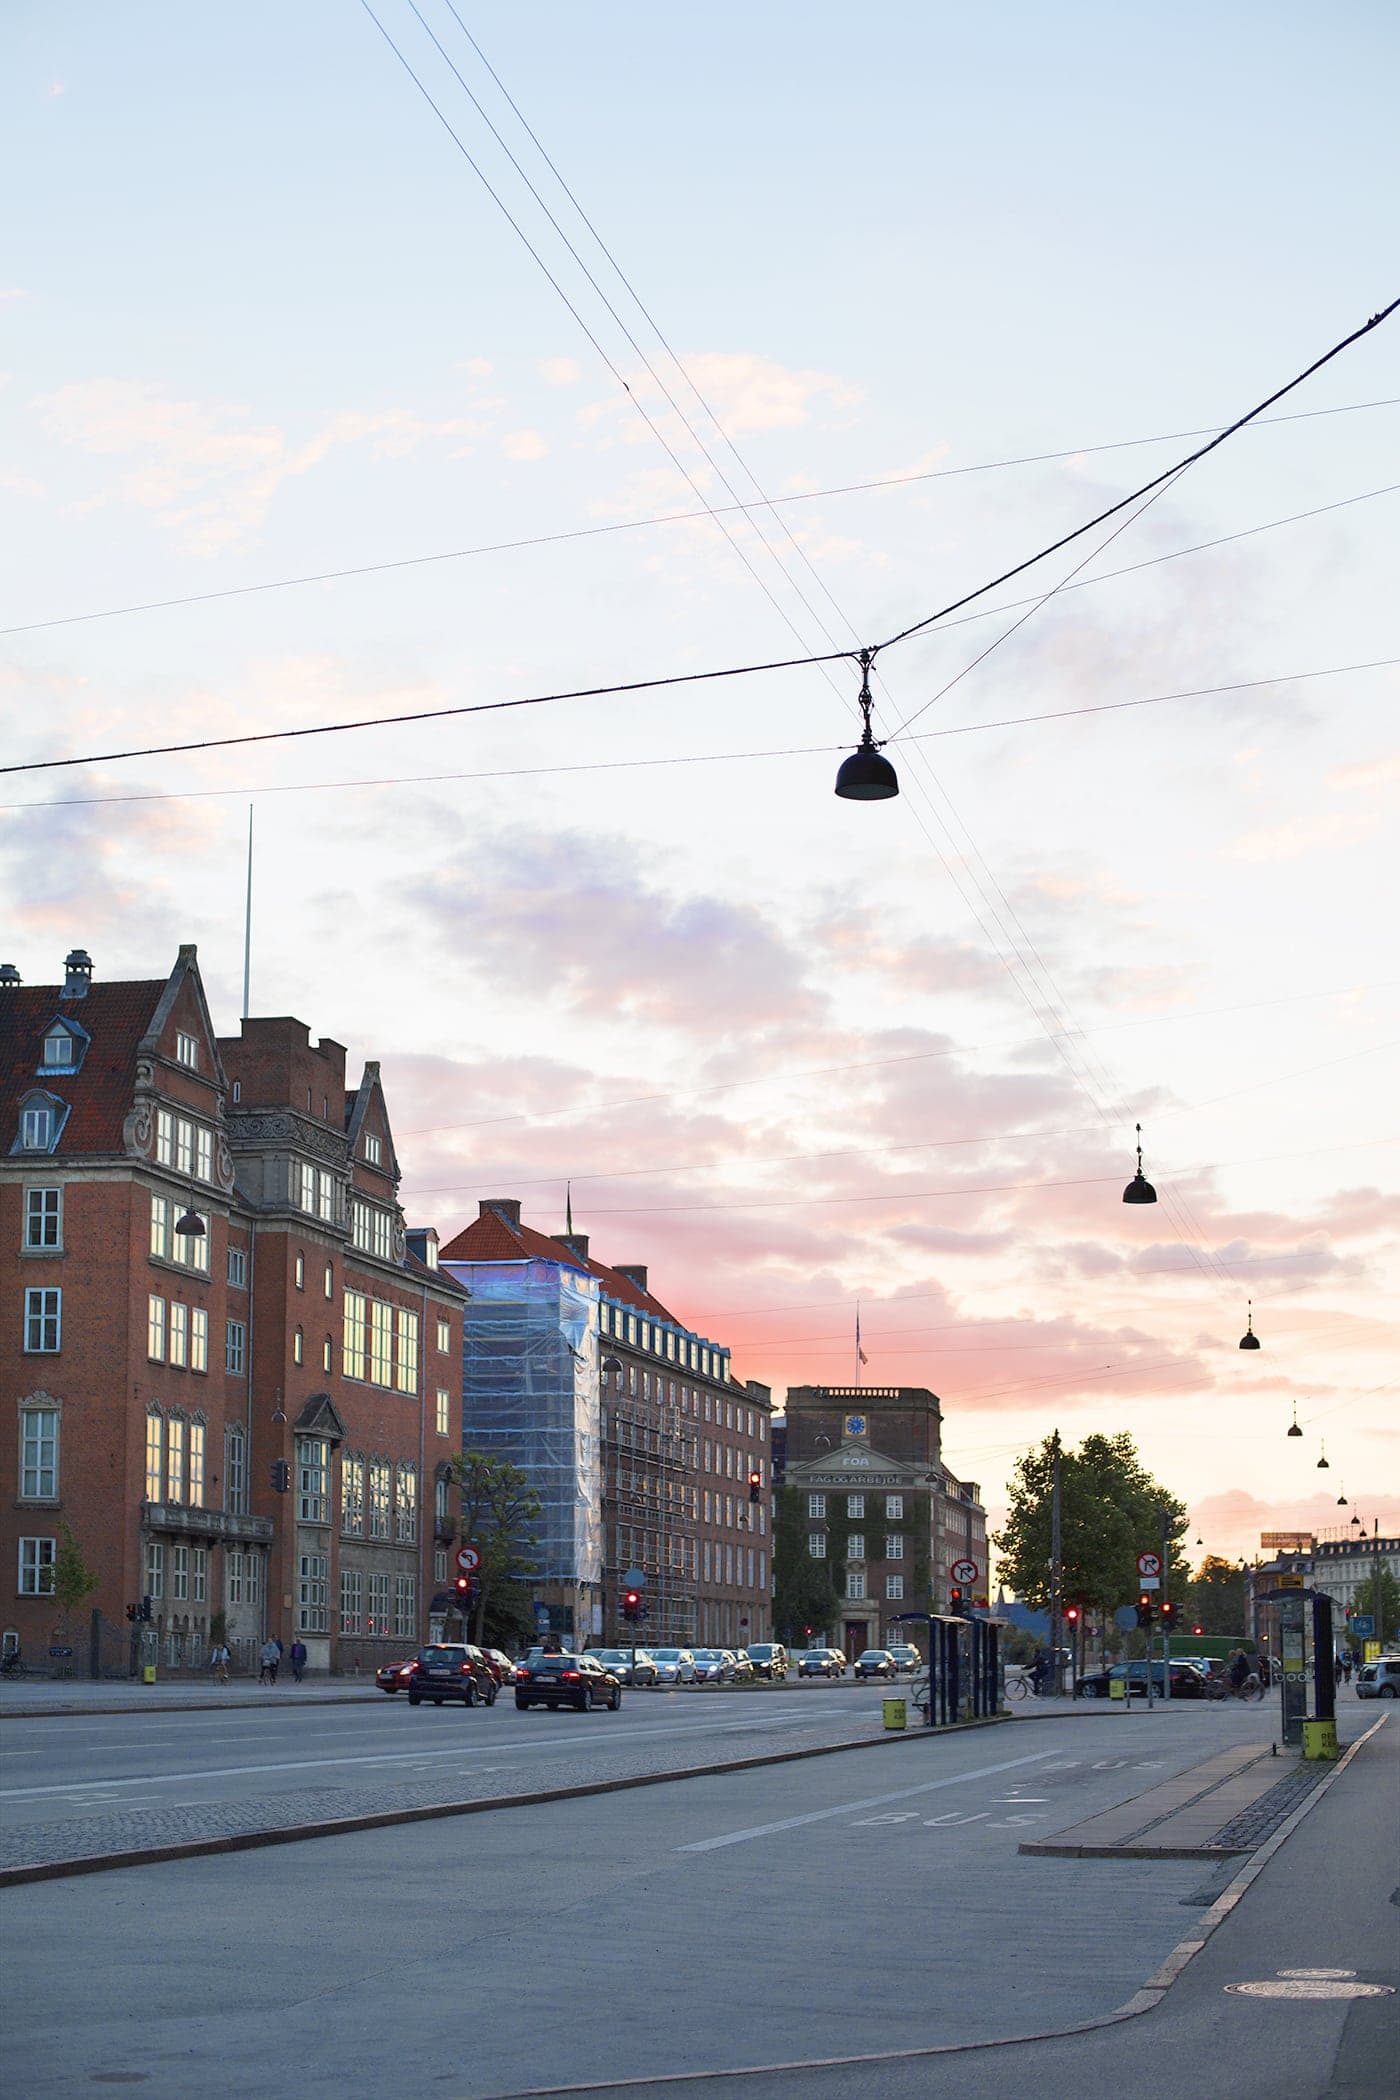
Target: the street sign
(1150, 1582)
(1125, 1617)
(1363, 1625)
(634, 1579)
(965, 1571)
(1149, 1564)
(468, 1559)
(1291, 1582)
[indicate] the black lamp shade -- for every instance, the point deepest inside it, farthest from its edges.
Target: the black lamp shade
(866, 777)
(1251, 1341)
(191, 1226)
(1139, 1189)
(1295, 1430)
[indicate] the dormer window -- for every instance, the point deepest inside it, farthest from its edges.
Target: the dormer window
(64, 1046)
(41, 1118)
(373, 1151)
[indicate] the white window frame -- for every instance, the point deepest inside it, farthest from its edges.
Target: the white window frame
(444, 1336)
(406, 1505)
(443, 1411)
(894, 1589)
(313, 1468)
(894, 1545)
(199, 1338)
(354, 1345)
(894, 1506)
(187, 1050)
(406, 1322)
(236, 1470)
(155, 1455)
(238, 1268)
(855, 1506)
(197, 1446)
(43, 1321)
(816, 1505)
(58, 1039)
(855, 1545)
(377, 1622)
(313, 1576)
(43, 1219)
(855, 1585)
(379, 1498)
(352, 1497)
(39, 1453)
(352, 1600)
(177, 1337)
(816, 1545)
(37, 1557)
(405, 1607)
(235, 1347)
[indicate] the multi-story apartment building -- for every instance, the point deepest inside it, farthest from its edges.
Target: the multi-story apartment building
(635, 1434)
(208, 1283)
(881, 1507)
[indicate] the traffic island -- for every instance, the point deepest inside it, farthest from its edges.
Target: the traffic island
(1226, 1806)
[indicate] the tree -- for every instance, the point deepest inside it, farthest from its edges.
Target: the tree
(803, 1592)
(1111, 1510)
(1215, 1600)
(72, 1578)
(499, 1506)
(1384, 1607)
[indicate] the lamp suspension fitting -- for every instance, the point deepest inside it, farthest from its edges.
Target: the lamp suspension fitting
(1139, 1189)
(865, 776)
(1250, 1340)
(1294, 1430)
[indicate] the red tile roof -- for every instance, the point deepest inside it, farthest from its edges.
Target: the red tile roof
(116, 1017)
(492, 1238)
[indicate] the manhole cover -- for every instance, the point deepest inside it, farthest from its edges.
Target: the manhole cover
(1304, 1983)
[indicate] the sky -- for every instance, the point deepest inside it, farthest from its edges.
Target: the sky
(839, 315)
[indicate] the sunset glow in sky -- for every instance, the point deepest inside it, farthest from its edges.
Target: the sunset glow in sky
(263, 321)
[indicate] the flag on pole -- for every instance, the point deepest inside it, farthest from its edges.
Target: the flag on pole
(861, 1356)
(569, 1208)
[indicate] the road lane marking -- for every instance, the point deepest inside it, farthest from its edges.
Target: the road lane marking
(851, 1808)
(406, 1756)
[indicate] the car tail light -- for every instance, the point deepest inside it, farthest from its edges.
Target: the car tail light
(521, 1671)
(570, 1676)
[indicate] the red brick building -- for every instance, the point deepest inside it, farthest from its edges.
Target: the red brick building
(207, 1280)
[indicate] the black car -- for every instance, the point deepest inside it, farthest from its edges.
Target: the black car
(1188, 1681)
(451, 1670)
(566, 1680)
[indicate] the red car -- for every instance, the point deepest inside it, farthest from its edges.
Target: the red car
(393, 1677)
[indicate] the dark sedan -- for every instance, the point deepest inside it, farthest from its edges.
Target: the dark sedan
(566, 1680)
(451, 1670)
(1188, 1681)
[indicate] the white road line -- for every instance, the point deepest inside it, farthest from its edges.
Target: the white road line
(850, 1808)
(395, 1757)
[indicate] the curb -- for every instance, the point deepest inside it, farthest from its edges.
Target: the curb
(183, 1706)
(391, 1818)
(1144, 2000)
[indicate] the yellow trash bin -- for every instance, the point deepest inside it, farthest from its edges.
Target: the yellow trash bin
(148, 1674)
(1117, 1688)
(1319, 1739)
(896, 1712)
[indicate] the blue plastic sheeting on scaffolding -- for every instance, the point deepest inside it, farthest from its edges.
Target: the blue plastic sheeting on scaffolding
(530, 1394)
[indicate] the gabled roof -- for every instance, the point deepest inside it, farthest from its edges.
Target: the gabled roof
(491, 1238)
(117, 1018)
(622, 1287)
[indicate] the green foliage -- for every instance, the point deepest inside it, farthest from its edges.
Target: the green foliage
(499, 1507)
(1215, 1599)
(1110, 1511)
(1383, 1607)
(73, 1580)
(804, 1593)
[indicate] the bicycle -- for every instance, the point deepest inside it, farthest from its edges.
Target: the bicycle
(1249, 1691)
(1022, 1686)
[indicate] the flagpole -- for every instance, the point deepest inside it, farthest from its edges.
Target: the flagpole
(860, 1354)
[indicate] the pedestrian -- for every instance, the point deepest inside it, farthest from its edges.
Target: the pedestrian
(298, 1660)
(1336, 1673)
(269, 1655)
(1346, 1667)
(219, 1662)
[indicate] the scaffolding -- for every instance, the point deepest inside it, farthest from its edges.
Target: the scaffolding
(530, 1395)
(651, 1498)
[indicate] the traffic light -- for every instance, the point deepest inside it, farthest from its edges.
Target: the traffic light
(281, 1476)
(1198, 1629)
(1168, 1614)
(146, 1608)
(133, 1612)
(1072, 1614)
(1144, 1611)
(631, 1606)
(463, 1587)
(956, 1600)
(755, 1484)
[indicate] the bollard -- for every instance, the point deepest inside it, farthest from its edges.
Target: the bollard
(895, 1711)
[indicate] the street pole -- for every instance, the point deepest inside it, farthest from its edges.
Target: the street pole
(1057, 1674)
(1166, 1622)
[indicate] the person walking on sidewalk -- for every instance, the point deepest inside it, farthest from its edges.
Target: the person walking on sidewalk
(269, 1655)
(298, 1653)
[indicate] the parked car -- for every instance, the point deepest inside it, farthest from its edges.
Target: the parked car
(1189, 1681)
(769, 1659)
(819, 1662)
(1379, 1680)
(567, 1680)
(743, 1668)
(876, 1662)
(907, 1657)
(393, 1677)
(628, 1665)
(451, 1670)
(674, 1665)
(713, 1666)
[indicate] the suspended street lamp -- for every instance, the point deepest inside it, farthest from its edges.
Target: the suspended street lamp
(1139, 1189)
(1250, 1340)
(865, 776)
(1322, 1465)
(190, 1226)
(1295, 1430)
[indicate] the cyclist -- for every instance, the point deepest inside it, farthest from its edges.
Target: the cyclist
(1238, 1671)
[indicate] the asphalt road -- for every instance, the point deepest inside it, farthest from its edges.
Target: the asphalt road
(828, 1908)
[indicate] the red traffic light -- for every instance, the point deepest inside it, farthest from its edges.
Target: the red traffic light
(1168, 1609)
(1072, 1613)
(755, 1485)
(463, 1585)
(1198, 1629)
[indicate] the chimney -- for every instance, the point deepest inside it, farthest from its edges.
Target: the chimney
(10, 979)
(507, 1208)
(423, 1242)
(576, 1242)
(78, 964)
(635, 1272)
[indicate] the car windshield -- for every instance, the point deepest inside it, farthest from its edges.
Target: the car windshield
(667, 1655)
(442, 1655)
